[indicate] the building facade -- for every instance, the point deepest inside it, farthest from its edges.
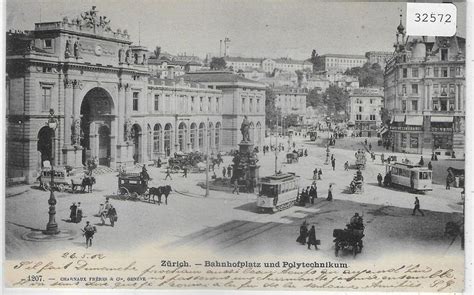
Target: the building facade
(106, 105)
(240, 97)
(291, 101)
(364, 108)
(425, 94)
(268, 65)
(341, 62)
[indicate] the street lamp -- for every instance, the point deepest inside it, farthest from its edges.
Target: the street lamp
(463, 217)
(52, 226)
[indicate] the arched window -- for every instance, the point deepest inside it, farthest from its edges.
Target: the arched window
(168, 134)
(217, 137)
(193, 136)
(182, 136)
(211, 134)
(201, 136)
(149, 143)
(157, 137)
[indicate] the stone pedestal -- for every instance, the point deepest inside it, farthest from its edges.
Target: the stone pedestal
(72, 156)
(246, 170)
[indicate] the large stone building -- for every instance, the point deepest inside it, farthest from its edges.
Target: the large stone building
(341, 62)
(105, 102)
(425, 93)
(240, 97)
(291, 101)
(268, 65)
(364, 108)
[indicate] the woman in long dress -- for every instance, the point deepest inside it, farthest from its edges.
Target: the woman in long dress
(303, 234)
(329, 198)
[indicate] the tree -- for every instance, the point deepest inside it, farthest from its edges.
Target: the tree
(272, 113)
(314, 98)
(292, 120)
(316, 61)
(335, 98)
(157, 51)
(217, 63)
(368, 75)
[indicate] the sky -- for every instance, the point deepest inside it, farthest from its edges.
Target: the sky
(263, 28)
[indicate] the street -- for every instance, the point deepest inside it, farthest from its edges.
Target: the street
(229, 224)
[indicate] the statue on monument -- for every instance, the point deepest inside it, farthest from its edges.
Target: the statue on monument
(244, 129)
(68, 50)
(76, 132)
(76, 49)
(128, 130)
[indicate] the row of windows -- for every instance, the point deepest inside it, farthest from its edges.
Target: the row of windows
(359, 101)
(186, 103)
(251, 107)
(443, 90)
(443, 72)
(359, 117)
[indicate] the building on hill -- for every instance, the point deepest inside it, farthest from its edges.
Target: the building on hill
(425, 93)
(364, 106)
(268, 65)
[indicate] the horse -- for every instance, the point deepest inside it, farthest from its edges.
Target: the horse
(88, 182)
(159, 191)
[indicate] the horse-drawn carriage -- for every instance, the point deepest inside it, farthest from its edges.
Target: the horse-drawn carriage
(134, 186)
(357, 183)
(292, 158)
(65, 178)
(189, 160)
(349, 238)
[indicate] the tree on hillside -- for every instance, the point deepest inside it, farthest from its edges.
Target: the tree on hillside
(316, 61)
(217, 63)
(335, 98)
(272, 113)
(157, 52)
(369, 75)
(314, 98)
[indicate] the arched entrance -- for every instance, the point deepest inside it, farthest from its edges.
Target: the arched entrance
(157, 139)
(201, 136)
(96, 110)
(104, 145)
(217, 137)
(182, 132)
(193, 135)
(137, 143)
(44, 144)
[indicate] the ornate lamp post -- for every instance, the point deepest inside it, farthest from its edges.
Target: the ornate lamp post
(52, 226)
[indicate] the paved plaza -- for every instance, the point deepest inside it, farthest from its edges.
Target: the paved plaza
(230, 224)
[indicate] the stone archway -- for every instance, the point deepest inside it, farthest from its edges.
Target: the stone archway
(96, 112)
(44, 144)
(182, 136)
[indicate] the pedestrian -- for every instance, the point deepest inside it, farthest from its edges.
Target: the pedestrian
(379, 179)
(382, 158)
(365, 141)
(333, 163)
(101, 209)
(236, 187)
(303, 234)
(422, 162)
(320, 172)
(430, 166)
(185, 172)
(73, 213)
(448, 181)
(370, 146)
(224, 170)
(346, 166)
(158, 163)
(329, 198)
(315, 172)
(229, 171)
(312, 238)
(417, 207)
(78, 213)
(112, 215)
(305, 152)
(168, 173)
(313, 194)
(332, 157)
(89, 232)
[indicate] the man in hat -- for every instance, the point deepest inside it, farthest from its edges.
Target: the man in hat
(168, 173)
(417, 207)
(89, 232)
(312, 238)
(73, 213)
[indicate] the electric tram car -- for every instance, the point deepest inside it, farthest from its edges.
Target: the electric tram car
(277, 192)
(313, 134)
(412, 176)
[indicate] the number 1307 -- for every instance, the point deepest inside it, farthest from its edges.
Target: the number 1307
(432, 18)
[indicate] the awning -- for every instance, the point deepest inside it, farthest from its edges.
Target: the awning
(383, 131)
(414, 120)
(398, 118)
(442, 119)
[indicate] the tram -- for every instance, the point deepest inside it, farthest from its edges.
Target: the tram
(412, 176)
(277, 192)
(313, 134)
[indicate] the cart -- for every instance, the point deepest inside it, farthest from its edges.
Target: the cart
(132, 186)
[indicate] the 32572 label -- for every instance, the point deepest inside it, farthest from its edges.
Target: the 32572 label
(431, 19)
